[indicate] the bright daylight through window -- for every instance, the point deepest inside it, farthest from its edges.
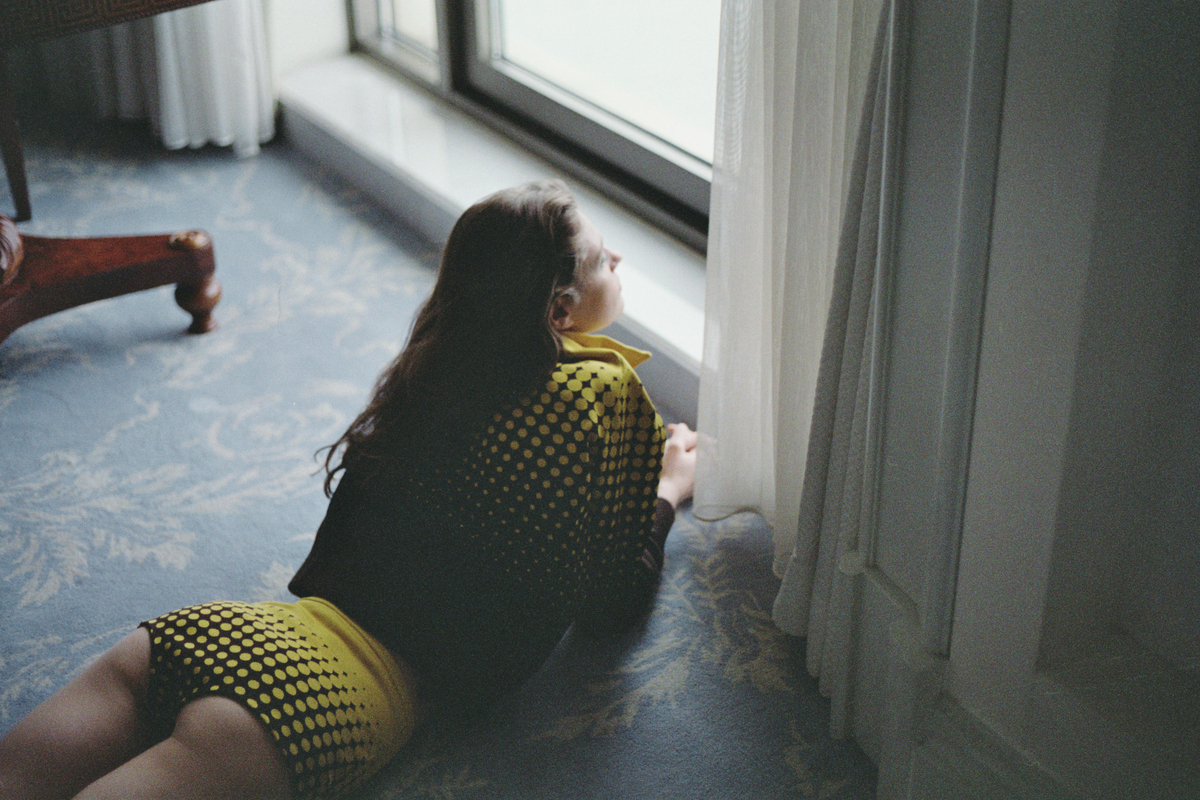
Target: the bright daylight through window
(626, 86)
(652, 64)
(411, 21)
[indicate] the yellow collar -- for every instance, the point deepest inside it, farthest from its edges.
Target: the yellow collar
(601, 348)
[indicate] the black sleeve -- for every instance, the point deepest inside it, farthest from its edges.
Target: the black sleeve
(652, 555)
(619, 611)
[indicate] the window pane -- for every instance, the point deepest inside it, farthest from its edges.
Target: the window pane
(652, 63)
(415, 20)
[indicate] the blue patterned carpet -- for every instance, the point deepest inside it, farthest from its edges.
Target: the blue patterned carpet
(144, 469)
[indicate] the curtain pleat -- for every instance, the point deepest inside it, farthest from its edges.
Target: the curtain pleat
(837, 499)
(794, 355)
(789, 73)
(213, 80)
(200, 75)
(833, 488)
(791, 86)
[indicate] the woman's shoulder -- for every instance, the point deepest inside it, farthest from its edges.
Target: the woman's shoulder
(590, 379)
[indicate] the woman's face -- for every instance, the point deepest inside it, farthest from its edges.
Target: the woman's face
(600, 301)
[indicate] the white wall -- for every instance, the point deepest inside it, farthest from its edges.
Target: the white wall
(302, 31)
(1056, 90)
(1076, 636)
(1150, 282)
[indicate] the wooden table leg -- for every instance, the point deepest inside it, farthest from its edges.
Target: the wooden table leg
(43, 275)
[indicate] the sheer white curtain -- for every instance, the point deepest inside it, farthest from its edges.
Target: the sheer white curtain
(199, 74)
(792, 81)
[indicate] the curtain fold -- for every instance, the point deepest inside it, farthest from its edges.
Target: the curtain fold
(200, 75)
(791, 86)
(836, 503)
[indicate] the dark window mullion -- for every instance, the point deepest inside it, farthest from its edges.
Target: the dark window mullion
(453, 19)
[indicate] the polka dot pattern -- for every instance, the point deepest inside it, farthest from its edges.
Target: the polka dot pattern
(256, 655)
(564, 484)
(471, 567)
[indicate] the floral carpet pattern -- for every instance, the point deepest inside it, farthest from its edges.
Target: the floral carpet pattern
(145, 469)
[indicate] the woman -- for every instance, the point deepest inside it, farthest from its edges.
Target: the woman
(508, 478)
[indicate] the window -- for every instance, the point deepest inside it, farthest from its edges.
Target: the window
(620, 90)
(402, 32)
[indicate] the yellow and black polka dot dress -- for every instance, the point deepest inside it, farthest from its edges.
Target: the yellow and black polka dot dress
(336, 703)
(456, 579)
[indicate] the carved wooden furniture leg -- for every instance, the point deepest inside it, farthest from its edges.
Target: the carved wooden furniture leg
(42, 275)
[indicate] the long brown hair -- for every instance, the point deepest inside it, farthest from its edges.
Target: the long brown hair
(482, 340)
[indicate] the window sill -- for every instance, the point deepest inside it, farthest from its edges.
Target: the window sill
(427, 161)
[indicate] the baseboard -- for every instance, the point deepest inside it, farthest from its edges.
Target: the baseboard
(960, 758)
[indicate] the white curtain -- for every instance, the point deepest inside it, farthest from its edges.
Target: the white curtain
(792, 81)
(199, 74)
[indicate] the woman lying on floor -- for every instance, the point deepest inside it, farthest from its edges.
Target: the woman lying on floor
(509, 477)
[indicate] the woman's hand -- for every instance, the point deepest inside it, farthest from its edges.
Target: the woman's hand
(678, 478)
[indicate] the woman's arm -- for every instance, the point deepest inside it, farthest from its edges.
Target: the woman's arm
(622, 606)
(678, 478)
(675, 485)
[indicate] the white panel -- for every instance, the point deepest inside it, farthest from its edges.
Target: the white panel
(1060, 55)
(300, 32)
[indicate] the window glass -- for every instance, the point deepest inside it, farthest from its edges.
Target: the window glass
(621, 93)
(414, 20)
(652, 63)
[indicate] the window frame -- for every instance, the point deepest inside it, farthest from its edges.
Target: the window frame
(403, 54)
(653, 178)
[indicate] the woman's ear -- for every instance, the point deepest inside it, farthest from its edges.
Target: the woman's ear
(560, 313)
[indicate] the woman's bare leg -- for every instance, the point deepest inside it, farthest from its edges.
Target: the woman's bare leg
(89, 737)
(85, 730)
(218, 749)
